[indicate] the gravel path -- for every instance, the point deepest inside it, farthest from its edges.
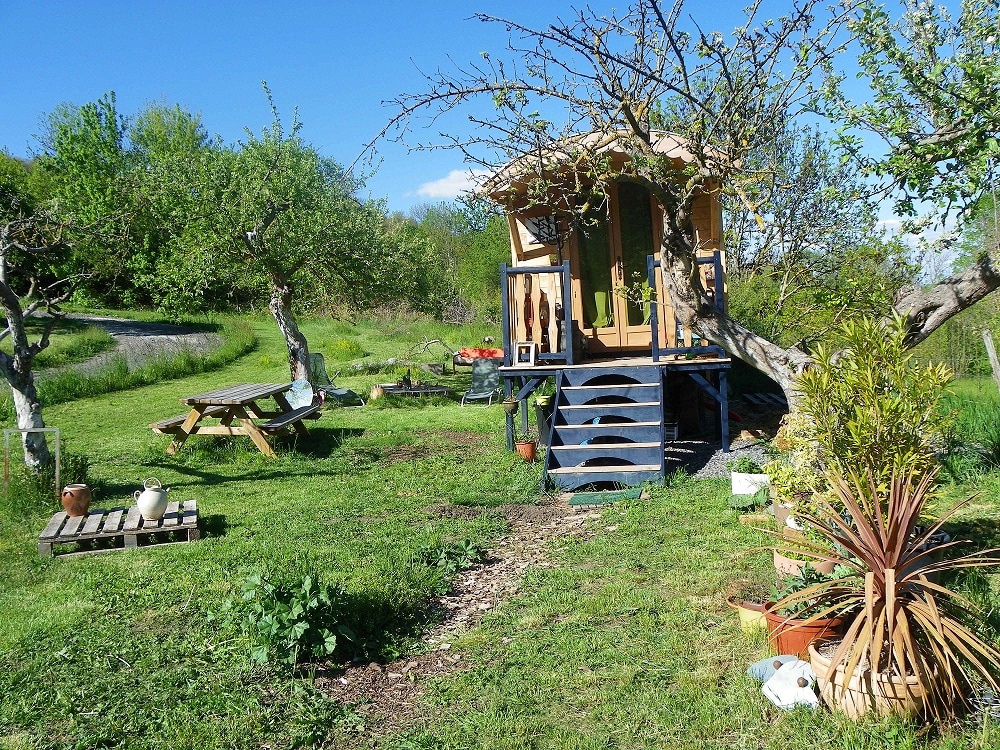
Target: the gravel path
(707, 460)
(138, 342)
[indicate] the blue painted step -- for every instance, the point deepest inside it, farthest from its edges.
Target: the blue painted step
(637, 432)
(634, 453)
(629, 476)
(645, 411)
(581, 394)
(613, 375)
(607, 427)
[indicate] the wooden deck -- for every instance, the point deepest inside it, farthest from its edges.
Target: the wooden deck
(667, 361)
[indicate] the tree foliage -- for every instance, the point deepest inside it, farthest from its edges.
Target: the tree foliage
(935, 101)
(813, 254)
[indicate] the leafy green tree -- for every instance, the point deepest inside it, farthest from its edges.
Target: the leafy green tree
(85, 172)
(935, 105)
(163, 142)
(273, 212)
(34, 241)
(473, 240)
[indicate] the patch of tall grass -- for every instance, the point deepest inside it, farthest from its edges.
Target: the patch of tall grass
(78, 347)
(238, 339)
(973, 442)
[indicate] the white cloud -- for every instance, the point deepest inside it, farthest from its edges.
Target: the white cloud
(458, 181)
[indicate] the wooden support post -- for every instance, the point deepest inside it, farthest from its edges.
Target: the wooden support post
(509, 418)
(505, 321)
(567, 312)
(654, 310)
(724, 408)
(991, 350)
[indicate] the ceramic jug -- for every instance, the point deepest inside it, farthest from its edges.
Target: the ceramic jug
(76, 499)
(152, 500)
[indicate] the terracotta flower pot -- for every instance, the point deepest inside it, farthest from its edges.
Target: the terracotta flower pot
(866, 691)
(790, 635)
(527, 449)
(76, 499)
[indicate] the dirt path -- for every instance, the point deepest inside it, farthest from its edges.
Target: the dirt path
(388, 696)
(138, 342)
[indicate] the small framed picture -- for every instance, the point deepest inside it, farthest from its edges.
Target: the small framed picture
(524, 353)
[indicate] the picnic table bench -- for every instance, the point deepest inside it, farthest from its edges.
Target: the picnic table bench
(238, 412)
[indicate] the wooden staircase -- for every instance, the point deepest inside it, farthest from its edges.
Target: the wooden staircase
(609, 427)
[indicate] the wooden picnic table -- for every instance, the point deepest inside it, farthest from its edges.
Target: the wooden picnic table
(237, 411)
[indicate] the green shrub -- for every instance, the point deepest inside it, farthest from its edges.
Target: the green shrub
(292, 621)
(451, 557)
(872, 410)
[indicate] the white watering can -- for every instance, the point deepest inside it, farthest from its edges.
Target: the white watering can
(152, 501)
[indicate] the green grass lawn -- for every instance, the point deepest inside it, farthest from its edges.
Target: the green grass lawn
(624, 642)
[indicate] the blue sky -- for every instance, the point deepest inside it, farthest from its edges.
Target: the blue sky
(335, 61)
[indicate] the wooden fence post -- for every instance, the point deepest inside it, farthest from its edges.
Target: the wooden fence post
(994, 363)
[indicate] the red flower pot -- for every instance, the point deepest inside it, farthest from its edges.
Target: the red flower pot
(790, 635)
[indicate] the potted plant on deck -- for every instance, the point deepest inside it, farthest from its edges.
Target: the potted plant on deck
(748, 477)
(526, 445)
(909, 646)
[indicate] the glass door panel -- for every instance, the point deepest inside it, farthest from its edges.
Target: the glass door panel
(636, 226)
(595, 271)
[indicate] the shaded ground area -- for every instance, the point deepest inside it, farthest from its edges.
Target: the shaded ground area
(138, 342)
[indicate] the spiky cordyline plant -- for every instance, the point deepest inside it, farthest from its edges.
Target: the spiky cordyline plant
(901, 623)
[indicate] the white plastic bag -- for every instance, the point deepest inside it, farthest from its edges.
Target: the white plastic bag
(300, 394)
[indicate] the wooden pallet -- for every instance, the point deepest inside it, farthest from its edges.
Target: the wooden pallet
(102, 530)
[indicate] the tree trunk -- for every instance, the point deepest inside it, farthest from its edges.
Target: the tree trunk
(16, 369)
(697, 312)
(927, 309)
(29, 412)
(281, 309)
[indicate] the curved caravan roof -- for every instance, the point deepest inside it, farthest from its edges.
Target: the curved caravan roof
(572, 154)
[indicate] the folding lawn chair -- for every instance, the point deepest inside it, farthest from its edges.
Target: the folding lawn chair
(322, 383)
(485, 382)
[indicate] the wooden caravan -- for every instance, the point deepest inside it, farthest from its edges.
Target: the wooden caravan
(590, 285)
(583, 304)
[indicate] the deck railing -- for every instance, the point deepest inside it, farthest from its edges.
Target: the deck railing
(546, 325)
(652, 266)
